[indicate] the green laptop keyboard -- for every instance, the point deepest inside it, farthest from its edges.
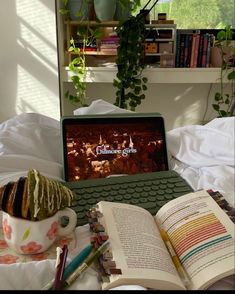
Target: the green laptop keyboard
(149, 190)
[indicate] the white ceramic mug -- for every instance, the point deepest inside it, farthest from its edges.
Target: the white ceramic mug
(32, 237)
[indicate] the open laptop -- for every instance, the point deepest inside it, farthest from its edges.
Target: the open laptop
(118, 157)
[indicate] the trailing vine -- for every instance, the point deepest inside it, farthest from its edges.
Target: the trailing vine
(224, 103)
(130, 63)
(78, 65)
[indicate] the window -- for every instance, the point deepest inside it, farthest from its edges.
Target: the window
(196, 14)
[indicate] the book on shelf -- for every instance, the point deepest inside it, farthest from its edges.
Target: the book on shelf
(194, 51)
(188, 244)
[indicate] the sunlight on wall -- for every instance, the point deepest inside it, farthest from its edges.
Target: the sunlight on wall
(33, 96)
(185, 93)
(190, 115)
(37, 70)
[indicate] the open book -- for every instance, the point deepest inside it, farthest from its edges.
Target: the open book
(198, 239)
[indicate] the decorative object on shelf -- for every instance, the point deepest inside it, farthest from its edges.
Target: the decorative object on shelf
(123, 10)
(105, 9)
(80, 9)
(130, 61)
(77, 10)
(224, 102)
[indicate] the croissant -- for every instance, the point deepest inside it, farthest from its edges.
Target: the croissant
(34, 197)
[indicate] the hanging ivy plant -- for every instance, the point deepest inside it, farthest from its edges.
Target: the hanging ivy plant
(224, 103)
(130, 63)
(78, 65)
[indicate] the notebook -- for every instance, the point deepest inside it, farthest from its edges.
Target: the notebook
(118, 157)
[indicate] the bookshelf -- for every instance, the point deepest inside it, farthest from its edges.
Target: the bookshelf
(101, 66)
(160, 42)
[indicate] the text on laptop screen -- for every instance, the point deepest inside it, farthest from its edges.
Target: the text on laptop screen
(100, 147)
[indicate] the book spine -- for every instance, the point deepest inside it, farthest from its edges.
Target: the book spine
(208, 56)
(193, 52)
(199, 60)
(204, 50)
(177, 58)
(188, 58)
(186, 49)
(196, 51)
(182, 51)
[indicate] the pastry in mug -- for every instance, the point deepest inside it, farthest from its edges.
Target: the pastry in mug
(34, 197)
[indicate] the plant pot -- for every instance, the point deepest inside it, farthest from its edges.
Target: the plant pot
(105, 9)
(216, 58)
(122, 13)
(80, 9)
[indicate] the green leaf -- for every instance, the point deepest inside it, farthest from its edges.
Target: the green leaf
(216, 107)
(231, 75)
(63, 11)
(223, 113)
(26, 234)
(218, 97)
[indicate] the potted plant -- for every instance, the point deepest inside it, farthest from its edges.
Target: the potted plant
(224, 102)
(77, 9)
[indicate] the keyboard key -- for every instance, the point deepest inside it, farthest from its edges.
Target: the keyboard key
(169, 191)
(148, 205)
(147, 189)
(127, 196)
(180, 189)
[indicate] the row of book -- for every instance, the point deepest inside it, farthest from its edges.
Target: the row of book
(193, 49)
(109, 44)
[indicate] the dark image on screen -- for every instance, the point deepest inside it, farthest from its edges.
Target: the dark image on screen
(104, 149)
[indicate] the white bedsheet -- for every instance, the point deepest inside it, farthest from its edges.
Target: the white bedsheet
(203, 155)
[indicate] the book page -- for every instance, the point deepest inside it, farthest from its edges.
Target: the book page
(137, 248)
(202, 235)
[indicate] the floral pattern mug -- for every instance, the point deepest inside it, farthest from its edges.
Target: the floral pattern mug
(32, 237)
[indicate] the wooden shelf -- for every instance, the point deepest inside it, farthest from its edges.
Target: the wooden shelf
(92, 23)
(154, 75)
(94, 53)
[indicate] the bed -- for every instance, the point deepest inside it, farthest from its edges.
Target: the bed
(203, 155)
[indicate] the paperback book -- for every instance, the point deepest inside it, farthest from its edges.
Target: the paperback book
(188, 244)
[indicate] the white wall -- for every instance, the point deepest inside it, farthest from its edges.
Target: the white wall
(28, 58)
(180, 104)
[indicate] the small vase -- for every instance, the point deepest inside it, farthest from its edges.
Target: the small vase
(105, 9)
(216, 58)
(80, 9)
(122, 13)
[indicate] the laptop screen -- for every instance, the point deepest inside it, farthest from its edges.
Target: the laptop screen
(99, 146)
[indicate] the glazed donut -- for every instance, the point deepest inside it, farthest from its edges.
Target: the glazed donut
(34, 197)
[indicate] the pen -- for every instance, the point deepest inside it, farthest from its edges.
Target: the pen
(88, 261)
(60, 268)
(77, 261)
(182, 273)
(70, 268)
